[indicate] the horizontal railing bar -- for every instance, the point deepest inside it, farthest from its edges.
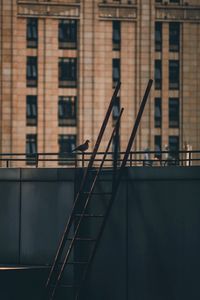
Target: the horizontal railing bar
(99, 153)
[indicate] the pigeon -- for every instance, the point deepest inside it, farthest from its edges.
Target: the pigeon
(82, 147)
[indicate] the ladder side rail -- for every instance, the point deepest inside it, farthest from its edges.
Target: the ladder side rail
(130, 143)
(90, 164)
(59, 277)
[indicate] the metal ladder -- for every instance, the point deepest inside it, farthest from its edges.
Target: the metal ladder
(57, 267)
(68, 244)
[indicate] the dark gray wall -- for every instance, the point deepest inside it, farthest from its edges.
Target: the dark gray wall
(34, 206)
(150, 247)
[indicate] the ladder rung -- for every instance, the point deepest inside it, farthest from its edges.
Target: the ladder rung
(88, 216)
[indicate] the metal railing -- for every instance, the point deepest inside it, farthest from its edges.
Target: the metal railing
(136, 158)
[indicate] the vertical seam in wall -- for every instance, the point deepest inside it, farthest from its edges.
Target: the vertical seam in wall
(83, 70)
(20, 216)
(181, 79)
(197, 86)
(1, 70)
(93, 59)
(150, 52)
(11, 83)
(44, 86)
(136, 68)
(139, 67)
(77, 103)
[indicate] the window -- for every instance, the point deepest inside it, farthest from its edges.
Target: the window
(116, 147)
(32, 33)
(67, 111)
(31, 110)
(174, 1)
(31, 149)
(174, 36)
(158, 75)
(173, 112)
(116, 71)
(158, 113)
(116, 109)
(158, 36)
(66, 144)
(116, 35)
(67, 72)
(174, 146)
(173, 74)
(67, 37)
(31, 71)
(158, 146)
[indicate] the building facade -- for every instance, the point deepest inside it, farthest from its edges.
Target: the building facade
(60, 61)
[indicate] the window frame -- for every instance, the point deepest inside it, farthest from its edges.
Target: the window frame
(116, 70)
(158, 32)
(67, 116)
(158, 81)
(67, 72)
(174, 38)
(31, 142)
(67, 34)
(158, 150)
(174, 81)
(31, 110)
(66, 157)
(157, 118)
(116, 35)
(32, 32)
(31, 71)
(174, 119)
(174, 153)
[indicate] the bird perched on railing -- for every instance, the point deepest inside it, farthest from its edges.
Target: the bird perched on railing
(82, 147)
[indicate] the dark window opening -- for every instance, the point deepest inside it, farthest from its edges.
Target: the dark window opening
(116, 38)
(31, 71)
(66, 142)
(174, 37)
(67, 111)
(67, 37)
(31, 149)
(158, 113)
(158, 36)
(173, 112)
(32, 33)
(116, 71)
(174, 147)
(116, 146)
(174, 1)
(158, 75)
(31, 110)
(158, 146)
(116, 110)
(173, 74)
(67, 72)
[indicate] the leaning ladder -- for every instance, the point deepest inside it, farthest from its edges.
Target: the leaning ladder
(117, 181)
(69, 224)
